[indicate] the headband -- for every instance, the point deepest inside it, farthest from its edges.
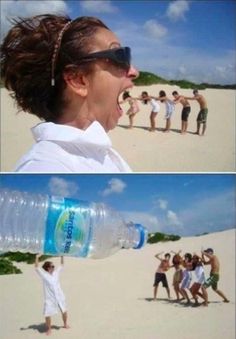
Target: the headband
(56, 51)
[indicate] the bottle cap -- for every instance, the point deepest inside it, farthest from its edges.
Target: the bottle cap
(143, 235)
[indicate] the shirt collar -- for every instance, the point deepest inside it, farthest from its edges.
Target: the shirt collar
(94, 135)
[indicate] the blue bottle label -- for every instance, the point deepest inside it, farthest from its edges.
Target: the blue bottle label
(68, 229)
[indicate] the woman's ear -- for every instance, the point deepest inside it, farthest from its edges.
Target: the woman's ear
(77, 82)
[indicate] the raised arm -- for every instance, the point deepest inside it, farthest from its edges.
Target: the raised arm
(208, 256)
(158, 256)
(179, 251)
(176, 101)
(188, 98)
(36, 262)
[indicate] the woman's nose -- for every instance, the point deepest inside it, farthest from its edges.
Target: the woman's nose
(133, 72)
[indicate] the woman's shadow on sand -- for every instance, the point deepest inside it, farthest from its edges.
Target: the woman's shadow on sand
(41, 328)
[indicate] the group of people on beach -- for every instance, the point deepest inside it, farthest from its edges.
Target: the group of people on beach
(189, 279)
(145, 98)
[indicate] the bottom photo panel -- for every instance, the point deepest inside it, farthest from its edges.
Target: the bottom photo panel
(121, 256)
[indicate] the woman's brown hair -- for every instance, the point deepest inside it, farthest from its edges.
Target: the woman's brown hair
(47, 265)
(28, 53)
(176, 260)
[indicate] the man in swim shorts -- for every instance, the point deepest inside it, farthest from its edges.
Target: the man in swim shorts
(160, 275)
(202, 115)
(185, 111)
(214, 275)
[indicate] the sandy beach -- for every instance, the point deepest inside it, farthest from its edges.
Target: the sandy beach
(112, 297)
(147, 151)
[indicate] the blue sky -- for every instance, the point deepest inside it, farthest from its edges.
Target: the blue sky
(188, 39)
(184, 204)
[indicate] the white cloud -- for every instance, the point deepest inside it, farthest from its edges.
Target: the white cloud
(154, 29)
(62, 187)
(98, 6)
(182, 70)
(173, 219)
(210, 214)
(25, 8)
(148, 220)
(198, 65)
(163, 204)
(114, 186)
(170, 58)
(224, 71)
(187, 183)
(177, 9)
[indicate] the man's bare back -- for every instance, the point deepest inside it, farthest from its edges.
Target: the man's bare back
(199, 98)
(215, 264)
(214, 276)
(184, 101)
(202, 101)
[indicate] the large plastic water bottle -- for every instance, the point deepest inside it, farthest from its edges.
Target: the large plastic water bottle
(60, 226)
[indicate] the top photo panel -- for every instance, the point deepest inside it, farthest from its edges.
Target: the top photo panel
(118, 86)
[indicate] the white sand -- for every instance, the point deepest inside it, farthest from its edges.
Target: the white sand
(110, 298)
(145, 151)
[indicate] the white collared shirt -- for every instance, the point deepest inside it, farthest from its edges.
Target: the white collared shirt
(54, 299)
(66, 149)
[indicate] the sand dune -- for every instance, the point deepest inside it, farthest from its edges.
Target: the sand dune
(110, 298)
(145, 151)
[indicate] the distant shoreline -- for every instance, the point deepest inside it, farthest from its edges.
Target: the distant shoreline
(147, 78)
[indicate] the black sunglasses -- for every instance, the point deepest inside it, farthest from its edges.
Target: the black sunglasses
(120, 56)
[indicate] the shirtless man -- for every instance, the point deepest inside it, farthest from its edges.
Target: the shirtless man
(214, 275)
(185, 111)
(202, 115)
(160, 275)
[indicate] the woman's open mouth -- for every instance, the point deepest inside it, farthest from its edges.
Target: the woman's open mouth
(120, 99)
(119, 108)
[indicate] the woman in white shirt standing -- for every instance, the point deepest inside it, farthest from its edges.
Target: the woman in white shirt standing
(170, 107)
(69, 73)
(199, 278)
(155, 109)
(54, 299)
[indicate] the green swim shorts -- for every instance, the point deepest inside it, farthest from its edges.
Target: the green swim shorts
(202, 115)
(212, 281)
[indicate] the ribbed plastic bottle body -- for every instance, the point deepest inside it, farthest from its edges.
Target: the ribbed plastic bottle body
(22, 221)
(62, 226)
(110, 233)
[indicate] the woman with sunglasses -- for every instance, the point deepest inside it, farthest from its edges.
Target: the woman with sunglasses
(69, 73)
(54, 299)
